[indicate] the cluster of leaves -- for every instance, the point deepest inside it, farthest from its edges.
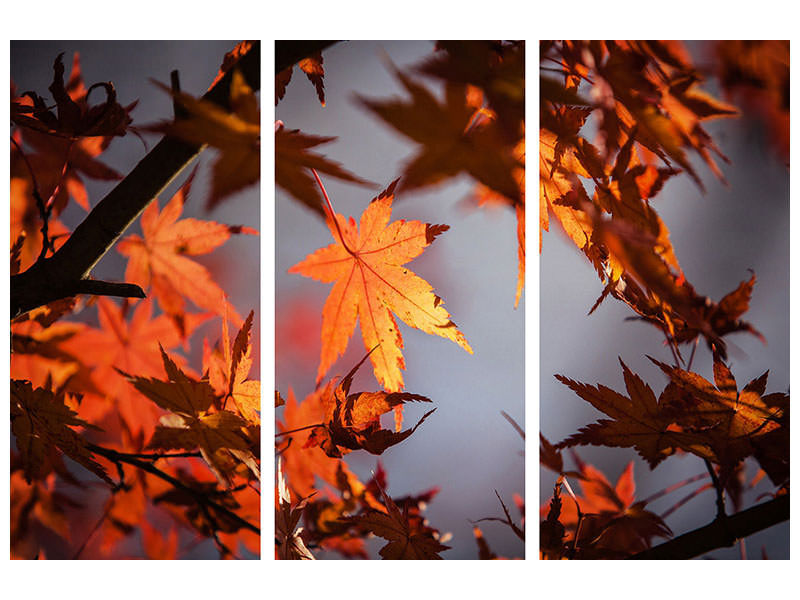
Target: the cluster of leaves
(477, 129)
(177, 451)
(645, 101)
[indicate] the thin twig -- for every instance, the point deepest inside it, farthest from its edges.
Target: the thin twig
(719, 489)
(685, 499)
(43, 212)
(298, 429)
(691, 358)
(673, 487)
(160, 455)
(514, 424)
(102, 518)
(201, 497)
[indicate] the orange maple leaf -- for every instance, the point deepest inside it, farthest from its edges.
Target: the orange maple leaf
(371, 284)
(228, 370)
(34, 506)
(613, 523)
(159, 258)
(131, 346)
(236, 134)
(303, 464)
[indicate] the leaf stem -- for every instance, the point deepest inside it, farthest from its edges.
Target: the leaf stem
(691, 358)
(685, 499)
(674, 487)
(332, 214)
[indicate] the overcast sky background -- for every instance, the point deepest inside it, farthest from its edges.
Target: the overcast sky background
(717, 237)
(466, 447)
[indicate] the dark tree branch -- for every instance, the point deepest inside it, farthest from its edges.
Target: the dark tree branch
(718, 534)
(57, 276)
(287, 53)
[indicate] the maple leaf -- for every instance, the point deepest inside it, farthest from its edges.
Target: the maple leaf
(498, 68)
(228, 370)
(315, 72)
(231, 59)
(37, 357)
(293, 159)
(669, 301)
(218, 435)
(236, 134)
(486, 195)
(557, 180)
(74, 118)
(159, 545)
(33, 506)
(159, 258)
(549, 455)
(756, 72)
(288, 543)
(640, 421)
(57, 166)
(132, 346)
(371, 284)
(452, 141)
(352, 421)
(407, 541)
(613, 524)
(732, 425)
(305, 464)
(551, 530)
(42, 425)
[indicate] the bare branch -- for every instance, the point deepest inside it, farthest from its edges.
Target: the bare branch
(717, 534)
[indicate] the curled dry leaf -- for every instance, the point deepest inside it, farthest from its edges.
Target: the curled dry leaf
(352, 421)
(74, 116)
